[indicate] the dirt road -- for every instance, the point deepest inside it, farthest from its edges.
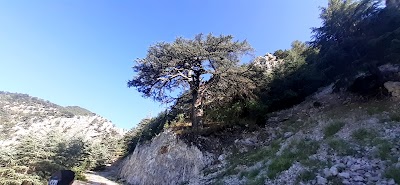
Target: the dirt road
(106, 177)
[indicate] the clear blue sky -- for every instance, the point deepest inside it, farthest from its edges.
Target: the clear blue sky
(74, 52)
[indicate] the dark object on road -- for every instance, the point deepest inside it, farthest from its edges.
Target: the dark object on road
(62, 177)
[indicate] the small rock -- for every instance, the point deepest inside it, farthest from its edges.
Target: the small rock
(397, 165)
(333, 170)
(349, 163)
(344, 175)
(360, 171)
(327, 172)
(358, 178)
(355, 167)
(391, 182)
(321, 180)
(373, 178)
(340, 165)
(287, 134)
(221, 157)
(345, 182)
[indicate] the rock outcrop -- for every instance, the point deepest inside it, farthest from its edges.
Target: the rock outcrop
(393, 88)
(267, 62)
(166, 160)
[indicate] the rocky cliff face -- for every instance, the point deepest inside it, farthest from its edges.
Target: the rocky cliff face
(267, 62)
(166, 160)
(328, 139)
(21, 114)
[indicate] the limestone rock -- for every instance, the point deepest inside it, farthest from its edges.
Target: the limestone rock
(344, 175)
(393, 88)
(321, 180)
(333, 170)
(267, 62)
(166, 160)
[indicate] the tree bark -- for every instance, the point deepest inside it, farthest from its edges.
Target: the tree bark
(197, 110)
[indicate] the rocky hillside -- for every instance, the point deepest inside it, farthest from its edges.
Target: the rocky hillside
(21, 114)
(38, 138)
(331, 138)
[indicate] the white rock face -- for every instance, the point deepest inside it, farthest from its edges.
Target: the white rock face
(267, 62)
(166, 160)
(21, 114)
(393, 88)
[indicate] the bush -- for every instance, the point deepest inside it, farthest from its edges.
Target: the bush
(146, 130)
(333, 128)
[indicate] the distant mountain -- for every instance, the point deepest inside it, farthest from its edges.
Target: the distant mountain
(38, 137)
(21, 114)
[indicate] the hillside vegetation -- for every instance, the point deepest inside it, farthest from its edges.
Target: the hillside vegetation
(356, 40)
(38, 138)
(261, 122)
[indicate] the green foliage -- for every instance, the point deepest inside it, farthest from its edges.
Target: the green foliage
(182, 65)
(364, 135)
(254, 156)
(296, 151)
(38, 155)
(393, 173)
(256, 181)
(305, 176)
(292, 81)
(384, 149)
(372, 110)
(146, 130)
(395, 116)
(356, 36)
(333, 128)
(78, 111)
(341, 147)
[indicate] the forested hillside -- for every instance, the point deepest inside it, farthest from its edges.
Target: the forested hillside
(324, 111)
(218, 101)
(38, 138)
(210, 89)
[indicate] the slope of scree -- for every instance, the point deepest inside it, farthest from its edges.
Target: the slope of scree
(331, 138)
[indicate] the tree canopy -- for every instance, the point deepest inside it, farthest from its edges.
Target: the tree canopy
(188, 66)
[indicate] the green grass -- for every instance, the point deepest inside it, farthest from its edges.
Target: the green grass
(253, 173)
(333, 128)
(364, 135)
(249, 174)
(249, 158)
(376, 109)
(279, 164)
(296, 151)
(384, 147)
(243, 174)
(315, 164)
(256, 181)
(341, 147)
(394, 116)
(393, 173)
(254, 156)
(209, 171)
(305, 176)
(384, 151)
(335, 180)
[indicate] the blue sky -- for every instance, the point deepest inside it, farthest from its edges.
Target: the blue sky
(74, 52)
